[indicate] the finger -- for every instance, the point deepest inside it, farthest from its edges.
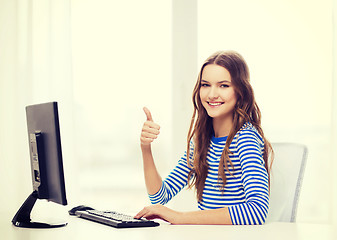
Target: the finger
(145, 140)
(152, 215)
(140, 214)
(149, 135)
(148, 114)
(145, 213)
(151, 128)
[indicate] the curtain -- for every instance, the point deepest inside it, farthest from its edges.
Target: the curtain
(334, 111)
(35, 67)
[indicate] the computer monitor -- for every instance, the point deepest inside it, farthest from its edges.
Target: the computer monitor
(46, 163)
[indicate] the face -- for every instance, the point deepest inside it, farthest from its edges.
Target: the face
(217, 92)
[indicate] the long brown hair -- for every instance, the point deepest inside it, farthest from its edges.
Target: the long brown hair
(201, 128)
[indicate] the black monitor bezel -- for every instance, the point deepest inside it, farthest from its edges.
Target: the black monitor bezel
(43, 122)
(46, 163)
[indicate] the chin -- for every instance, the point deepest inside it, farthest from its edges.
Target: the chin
(219, 115)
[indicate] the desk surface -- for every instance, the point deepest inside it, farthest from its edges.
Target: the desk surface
(82, 229)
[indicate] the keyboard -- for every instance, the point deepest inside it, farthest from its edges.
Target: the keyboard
(111, 218)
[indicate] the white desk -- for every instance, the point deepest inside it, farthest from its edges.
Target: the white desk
(82, 229)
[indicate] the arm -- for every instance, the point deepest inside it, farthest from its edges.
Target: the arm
(160, 191)
(153, 180)
(149, 133)
(253, 211)
(176, 180)
(218, 216)
(172, 184)
(255, 181)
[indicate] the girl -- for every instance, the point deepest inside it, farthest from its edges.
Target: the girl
(227, 154)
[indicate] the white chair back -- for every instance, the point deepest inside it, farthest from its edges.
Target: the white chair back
(286, 180)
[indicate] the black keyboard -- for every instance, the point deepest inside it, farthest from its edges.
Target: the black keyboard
(111, 218)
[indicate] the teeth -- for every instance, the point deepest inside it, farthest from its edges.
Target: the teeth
(214, 104)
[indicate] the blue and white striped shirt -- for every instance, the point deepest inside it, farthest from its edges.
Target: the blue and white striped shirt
(246, 193)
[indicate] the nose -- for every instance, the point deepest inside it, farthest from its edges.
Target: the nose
(213, 93)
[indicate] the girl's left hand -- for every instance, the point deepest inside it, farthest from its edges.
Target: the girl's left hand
(161, 212)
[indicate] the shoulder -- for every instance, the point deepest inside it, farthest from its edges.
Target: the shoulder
(248, 137)
(250, 144)
(249, 133)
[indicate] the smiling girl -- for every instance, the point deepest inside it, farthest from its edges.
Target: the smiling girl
(227, 154)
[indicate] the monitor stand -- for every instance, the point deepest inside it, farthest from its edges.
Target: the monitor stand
(22, 217)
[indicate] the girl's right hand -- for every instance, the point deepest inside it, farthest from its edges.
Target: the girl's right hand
(150, 129)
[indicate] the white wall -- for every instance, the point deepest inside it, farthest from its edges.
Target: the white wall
(287, 46)
(334, 114)
(121, 63)
(35, 67)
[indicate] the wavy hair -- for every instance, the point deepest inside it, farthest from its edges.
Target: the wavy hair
(201, 127)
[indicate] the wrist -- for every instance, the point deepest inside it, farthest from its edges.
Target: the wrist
(145, 146)
(179, 218)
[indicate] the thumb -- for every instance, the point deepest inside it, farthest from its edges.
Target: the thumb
(148, 114)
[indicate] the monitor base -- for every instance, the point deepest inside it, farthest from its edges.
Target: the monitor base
(22, 217)
(37, 225)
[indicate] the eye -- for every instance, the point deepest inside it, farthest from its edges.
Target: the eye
(204, 85)
(224, 85)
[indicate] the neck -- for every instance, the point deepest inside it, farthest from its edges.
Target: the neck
(222, 127)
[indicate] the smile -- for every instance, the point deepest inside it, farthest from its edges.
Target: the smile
(215, 104)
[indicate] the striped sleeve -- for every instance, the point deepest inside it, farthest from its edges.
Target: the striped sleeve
(173, 183)
(254, 179)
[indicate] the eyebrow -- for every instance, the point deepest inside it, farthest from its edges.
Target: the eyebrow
(224, 81)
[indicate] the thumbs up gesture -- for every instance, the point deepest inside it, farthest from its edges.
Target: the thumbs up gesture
(150, 129)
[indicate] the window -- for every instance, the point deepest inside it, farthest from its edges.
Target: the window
(121, 63)
(289, 56)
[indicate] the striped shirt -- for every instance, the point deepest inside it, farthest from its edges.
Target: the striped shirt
(246, 191)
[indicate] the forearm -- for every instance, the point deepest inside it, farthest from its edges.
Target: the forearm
(219, 216)
(153, 180)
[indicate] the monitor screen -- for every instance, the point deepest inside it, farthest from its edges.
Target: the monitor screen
(46, 162)
(45, 152)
